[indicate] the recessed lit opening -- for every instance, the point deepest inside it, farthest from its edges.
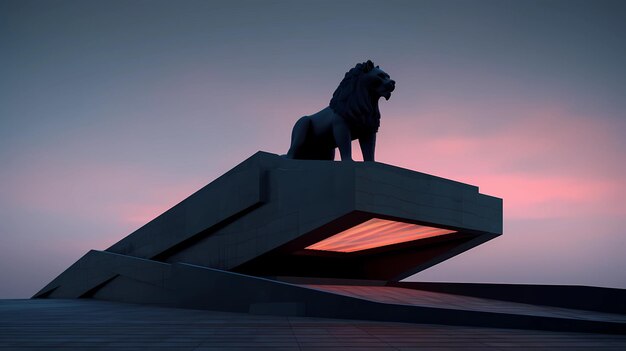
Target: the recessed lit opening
(376, 233)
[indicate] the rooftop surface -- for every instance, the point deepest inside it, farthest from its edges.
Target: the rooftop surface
(394, 295)
(81, 324)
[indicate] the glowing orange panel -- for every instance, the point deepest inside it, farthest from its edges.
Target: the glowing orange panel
(375, 233)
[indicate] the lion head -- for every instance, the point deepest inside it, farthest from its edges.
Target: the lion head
(356, 98)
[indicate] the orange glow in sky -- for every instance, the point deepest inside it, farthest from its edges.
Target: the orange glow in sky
(375, 233)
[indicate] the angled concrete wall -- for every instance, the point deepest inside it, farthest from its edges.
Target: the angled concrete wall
(302, 196)
(259, 218)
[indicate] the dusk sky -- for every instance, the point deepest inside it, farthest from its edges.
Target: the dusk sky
(111, 112)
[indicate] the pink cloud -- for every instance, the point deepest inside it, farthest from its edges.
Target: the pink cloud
(544, 163)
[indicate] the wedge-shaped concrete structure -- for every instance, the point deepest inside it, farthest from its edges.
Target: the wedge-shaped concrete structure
(281, 236)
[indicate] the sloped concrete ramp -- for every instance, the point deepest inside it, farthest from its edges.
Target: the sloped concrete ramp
(130, 279)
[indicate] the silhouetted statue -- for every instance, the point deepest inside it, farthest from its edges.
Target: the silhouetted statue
(353, 114)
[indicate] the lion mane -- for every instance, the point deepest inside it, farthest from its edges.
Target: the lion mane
(352, 101)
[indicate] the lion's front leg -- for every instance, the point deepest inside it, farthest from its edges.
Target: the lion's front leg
(343, 138)
(368, 146)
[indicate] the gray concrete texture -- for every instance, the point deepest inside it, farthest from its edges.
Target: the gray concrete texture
(136, 280)
(268, 201)
(258, 218)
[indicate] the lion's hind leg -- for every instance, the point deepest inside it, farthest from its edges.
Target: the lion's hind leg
(298, 137)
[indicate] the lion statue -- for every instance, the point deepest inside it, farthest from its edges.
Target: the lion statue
(352, 114)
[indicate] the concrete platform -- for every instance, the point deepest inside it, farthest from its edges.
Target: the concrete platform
(87, 324)
(324, 239)
(263, 217)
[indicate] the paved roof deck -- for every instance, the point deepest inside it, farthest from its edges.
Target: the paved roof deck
(413, 297)
(82, 324)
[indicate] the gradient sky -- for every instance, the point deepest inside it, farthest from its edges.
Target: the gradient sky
(111, 112)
